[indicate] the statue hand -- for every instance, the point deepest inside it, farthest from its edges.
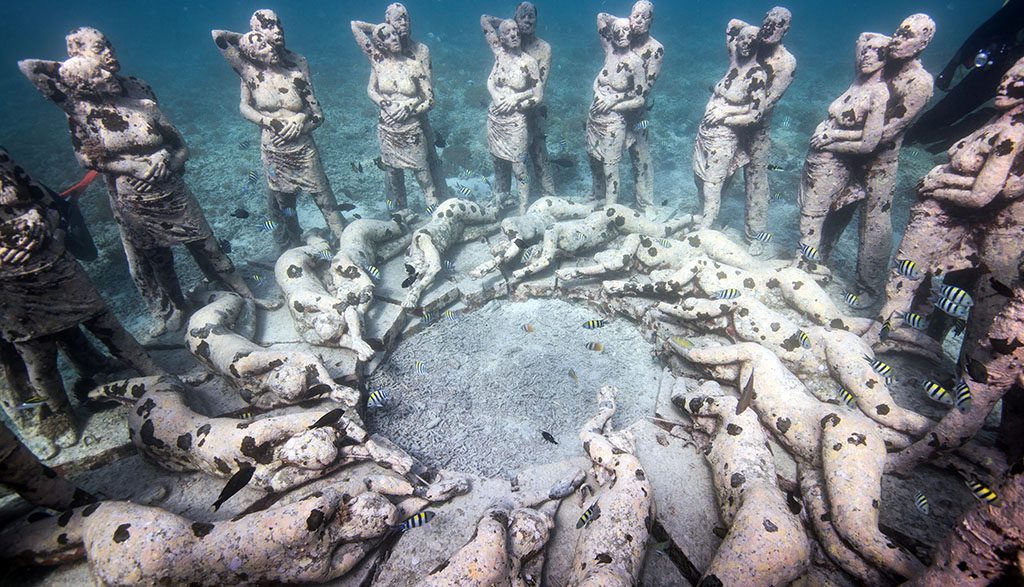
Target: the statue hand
(820, 141)
(602, 105)
(139, 185)
(11, 256)
(158, 169)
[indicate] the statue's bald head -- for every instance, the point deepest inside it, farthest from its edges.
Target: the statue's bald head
(641, 17)
(267, 23)
(526, 18)
(92, 43)
(397, 15)
(910, 40)
(775, 25)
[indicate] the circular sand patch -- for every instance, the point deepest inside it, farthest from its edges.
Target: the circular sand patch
(488, 388)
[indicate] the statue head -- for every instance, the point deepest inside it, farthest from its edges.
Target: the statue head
(508, 34)
(386, 39)
(256, 47)
(621, 33)
(267, 22)
(526, 18)
(397, 15)
(86, 76)
(746, 40)
(913, 36)
(775, 25)
(92, 43)
(1010, 93)
(641, 17)
(871, 52)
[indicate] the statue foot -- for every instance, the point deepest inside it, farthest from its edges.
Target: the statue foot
(172, 323)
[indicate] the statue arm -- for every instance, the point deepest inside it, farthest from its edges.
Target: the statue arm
(372, 91)
(249, 112)
(756, 100)
(604, 30)
(490, 25)
(174, 143)
(316, 117)
(426, 86)
(227, 44)
(990, 182)
(43, 74)
(781, 80)
(363, 33)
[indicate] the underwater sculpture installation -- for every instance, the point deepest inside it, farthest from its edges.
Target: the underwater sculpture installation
(613, 120)
(652, 54)
(910, 88)
(401, 85)
(219, 337)
(843, 142)
(567, 239)
(515, 88)
(611, 549)
(278, 453)
(508, 546)
(319, 537)
(779, 67)
(539, 49)
(970, 218)
(454, 221)
(44, 296)
(736, 106)
(143, 158)
(277, 96)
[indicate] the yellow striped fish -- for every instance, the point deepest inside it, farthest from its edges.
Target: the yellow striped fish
(372, 271)
(846, 396)
(984, 493)
(378, 399)
(325, 254)
(936, 391)
(908, 269)
(921, 501)
(726, 294)
(683, 342)
(592, 324)
(451, 315)
(416, 521)
(962, 395)
(883, 369)
(32, 402)
(593, 512)
(430, 209)
(391, 205)
(914, 320)
(765, 237)
(954, 294)
(420, 368)
(257, 278)
(953, 309)
(528, 328)
(269, 225)
(852, 300)
(805, 341)
(595, 346)
(810, 253)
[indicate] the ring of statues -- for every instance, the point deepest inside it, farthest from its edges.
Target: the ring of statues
(771, 369)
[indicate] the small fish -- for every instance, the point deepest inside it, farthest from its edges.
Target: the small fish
(746, 397)
(430, 209)
(847, 397)
(908, 269)
(379, 163)
(241, 213)
(244, 144)
(269, 225)
(357, 166)
(720, 532)
(32, 402)
(440, 142)
(921, 501)
(593, 512)
(528, 328)
(765, 237)
(1000, 287)
(595, 346)
(564, 161)
(465, 191)
(683, 342)
(774, 167)
(420, 368)
(235, 484)
(775, 197)
(225, 245)
(962, 395)
(642, 125)
(914, 320)
(547, 436)
(660, 546)
(810, 253)
(452, 315)
(984, 493)
(288, 212)
(883, 369)
(559, 145)
(378, 399)
(325, 254)
(448, 265)
(329, 419)
(936, 391)
(951, 308)
(883, 335)
(391, 205)
(805, 341)
(959, 326)
(253, 176)
(573, 376)
(726, 294)
(372, 271)
(426, 317)
(530, 253)
(256, 278)
(954, 294)
(416, 521)
(346, 207)
(852, 300)
(976, 369)
(413, 276)
(246, 414)
(592, 324)
(664, 242)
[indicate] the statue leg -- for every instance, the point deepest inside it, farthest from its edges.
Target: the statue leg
(755, 176)
(612, 180)
(84, 357)
(426, 182)
(394, 187)
(711, 196)
(434, 163)
(835, 225)
(217, 267)
(539, 158)
(600, 186)
(328, 205)
(523, 184)
(281, 210)
(876, 221)
(825, 175)
(108, 329)
(38, 484)
(153, 272)
(643, 174)
(54, 419)
(502, 182)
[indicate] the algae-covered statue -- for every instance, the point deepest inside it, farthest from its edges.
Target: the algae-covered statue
(118, 129)
(539, 49)
(616, 113)
(735, 107)
(910, 88)
(401, 85)
(652, 54)
(843, 142)
(44, 296)
(277, 96)
(515, 87)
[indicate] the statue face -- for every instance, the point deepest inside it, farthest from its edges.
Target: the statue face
(871, 52)
(90, 42)
(746, 41)
(775, 25)
(912, 37)
(398, 17)
(621, 33)
(257, 47)
(87, 76)
(268, 24)
(641, 17)
(508, 33)
(1010, 93)
(386, 38)
(526, 18)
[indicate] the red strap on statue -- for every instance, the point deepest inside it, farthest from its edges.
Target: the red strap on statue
(76, 190)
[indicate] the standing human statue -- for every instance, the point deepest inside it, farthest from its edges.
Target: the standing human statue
(401, 86)
(118, 129)
(910, 89)
(735, 107)
(618, 107)
(277, 96)
(652, 54)
(843, 142)
(779, 67)
(539, 49)
(44, 296)
(515, 87)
